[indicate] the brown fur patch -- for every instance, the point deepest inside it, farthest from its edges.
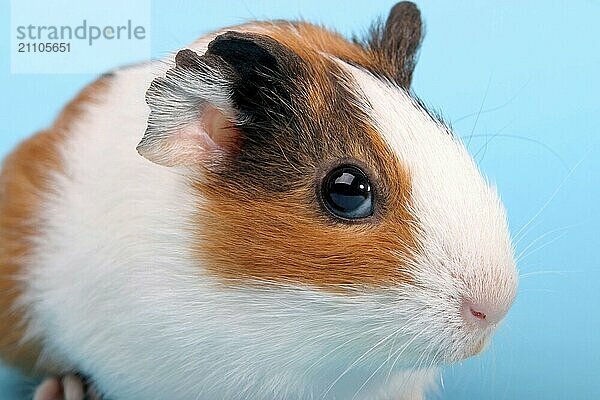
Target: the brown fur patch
(389, 50)
(288, 238)
(23, 181)
(262, 218)
(307, 39)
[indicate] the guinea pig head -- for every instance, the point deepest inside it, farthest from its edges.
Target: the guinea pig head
(318, 172)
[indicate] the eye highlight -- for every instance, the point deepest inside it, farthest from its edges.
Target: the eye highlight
(346, 192)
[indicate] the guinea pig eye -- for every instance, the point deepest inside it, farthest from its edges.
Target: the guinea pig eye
(346, 193)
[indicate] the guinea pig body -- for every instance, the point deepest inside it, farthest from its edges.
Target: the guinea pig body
(190, 229)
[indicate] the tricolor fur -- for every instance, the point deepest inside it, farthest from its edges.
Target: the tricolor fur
(207, 269)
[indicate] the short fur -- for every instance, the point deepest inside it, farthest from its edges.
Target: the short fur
(305, 123)
(199, 272)
(22, 187)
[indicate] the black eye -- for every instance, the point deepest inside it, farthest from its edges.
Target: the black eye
(346, 192)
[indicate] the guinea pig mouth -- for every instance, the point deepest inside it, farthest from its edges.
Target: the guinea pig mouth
(468, 349)
(478, 347)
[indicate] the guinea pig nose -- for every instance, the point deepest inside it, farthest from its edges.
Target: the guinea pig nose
(481, 313)
(478, 314)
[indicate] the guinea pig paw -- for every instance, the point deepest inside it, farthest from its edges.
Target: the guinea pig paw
(49, 389)
(69, 387)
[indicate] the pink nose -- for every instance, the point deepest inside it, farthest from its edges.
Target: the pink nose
(478, 314)
(482, 314)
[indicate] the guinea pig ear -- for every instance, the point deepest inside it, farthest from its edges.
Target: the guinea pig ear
(199, 109)
(395, 43)
(191, 119)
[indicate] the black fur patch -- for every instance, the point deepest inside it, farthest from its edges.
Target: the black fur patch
(293, 117)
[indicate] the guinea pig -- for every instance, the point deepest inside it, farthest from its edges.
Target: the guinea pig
(270, 213)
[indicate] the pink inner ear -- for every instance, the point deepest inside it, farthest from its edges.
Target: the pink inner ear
(203, 141)
(220, 131)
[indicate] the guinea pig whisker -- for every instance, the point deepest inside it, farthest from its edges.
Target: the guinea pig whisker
(543, 145)
(524, 229)
(494, 108)
(392, 347)
(377, 370)
(549, 232)
(524, 253)
(485, 94)
(401, 350)
(484, 147)
(424, 357)
(442, 380)
(541, 246)
(540, 291)
(375, 346)
(352, 339)
(543, 272)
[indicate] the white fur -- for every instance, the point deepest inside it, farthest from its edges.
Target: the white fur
(115, 292)
(467, 252)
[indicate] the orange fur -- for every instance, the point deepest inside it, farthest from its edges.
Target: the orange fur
(307, 40)
(286, 237)
(23, 181)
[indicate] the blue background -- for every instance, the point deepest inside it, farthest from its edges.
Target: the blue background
(521, 78)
